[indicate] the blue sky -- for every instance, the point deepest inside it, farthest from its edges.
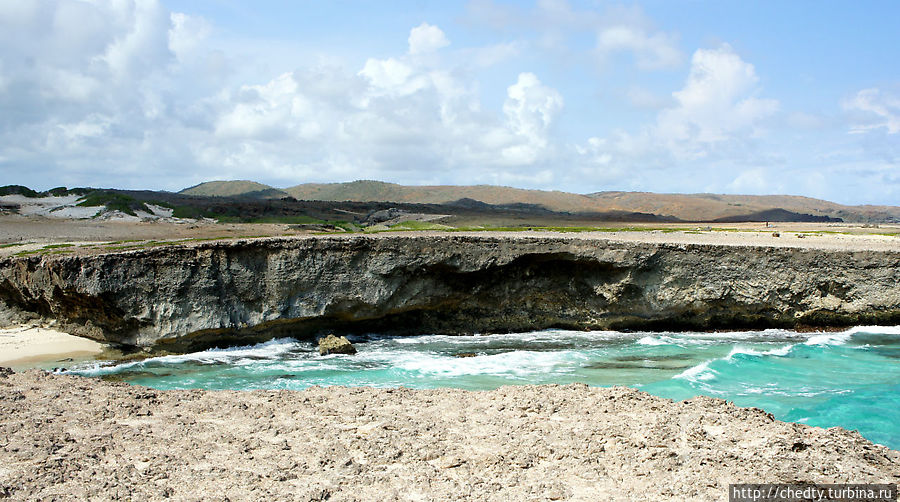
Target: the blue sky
(666, 96)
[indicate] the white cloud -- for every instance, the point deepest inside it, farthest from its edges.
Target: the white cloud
(560, 27)
(809, 121)
(126, 93)
(718, 103)
(874, 109)
(434, 126)
(492, 54)
(530, 108)
(88, 92)
(651, 51)
(391, 75)
(271, 111)
(398, 116)
(187, 35)
(642, 98)
(67, 53)
(91, 127)
(752, 181)
(142, 43)
(711, 125)
(426, 38)
(67, 85)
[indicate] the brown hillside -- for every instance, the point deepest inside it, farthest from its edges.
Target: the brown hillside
(691, 207)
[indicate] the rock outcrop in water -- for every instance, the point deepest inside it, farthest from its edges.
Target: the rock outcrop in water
(335, 345)
(188, 297)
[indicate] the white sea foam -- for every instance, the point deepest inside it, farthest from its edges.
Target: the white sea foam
(703, 372)
(549, 336)
(829, 338)
(698, 373)
(739, 350)
(272, 349)
(652, 340)
(715, 338)
(515, 363)
(842, 337)
(880, 330)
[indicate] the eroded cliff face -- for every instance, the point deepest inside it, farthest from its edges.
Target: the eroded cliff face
(188, 297)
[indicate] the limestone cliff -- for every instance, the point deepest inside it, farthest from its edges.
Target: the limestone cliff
(186, 297)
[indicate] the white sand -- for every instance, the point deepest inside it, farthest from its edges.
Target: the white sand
(29, 346)
(51, 207)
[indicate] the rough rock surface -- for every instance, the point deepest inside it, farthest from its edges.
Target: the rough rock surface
(189, 297)
(73, 438)
(335, 345)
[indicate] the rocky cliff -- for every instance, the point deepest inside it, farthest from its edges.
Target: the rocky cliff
(188, 297)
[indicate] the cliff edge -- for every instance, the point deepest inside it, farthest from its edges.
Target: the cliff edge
(193, 296)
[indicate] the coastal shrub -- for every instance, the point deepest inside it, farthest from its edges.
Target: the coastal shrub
(80, 191)
(18, 190)
(114, 202)
(188, 212)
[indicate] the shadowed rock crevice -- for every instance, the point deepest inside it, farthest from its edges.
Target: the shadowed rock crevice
(182, 298)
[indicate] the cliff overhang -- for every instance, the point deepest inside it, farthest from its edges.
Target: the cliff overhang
(181, 298)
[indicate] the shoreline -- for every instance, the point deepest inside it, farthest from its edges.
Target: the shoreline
(29, 346)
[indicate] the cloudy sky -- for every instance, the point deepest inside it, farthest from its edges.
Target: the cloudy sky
(796, 97)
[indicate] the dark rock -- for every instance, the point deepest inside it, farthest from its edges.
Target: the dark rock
(383, 215)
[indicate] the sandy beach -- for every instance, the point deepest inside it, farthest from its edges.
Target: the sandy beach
(28, 346)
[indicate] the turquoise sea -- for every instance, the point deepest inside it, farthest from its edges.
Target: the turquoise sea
(849, 379)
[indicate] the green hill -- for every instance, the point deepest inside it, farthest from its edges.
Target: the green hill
(234, 189)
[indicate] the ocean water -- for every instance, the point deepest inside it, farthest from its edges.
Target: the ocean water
(849, 379)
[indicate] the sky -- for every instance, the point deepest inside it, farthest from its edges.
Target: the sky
(762, 97)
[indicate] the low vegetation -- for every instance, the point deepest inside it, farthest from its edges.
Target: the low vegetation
(55, 192)
(114, 202)
(18, 190)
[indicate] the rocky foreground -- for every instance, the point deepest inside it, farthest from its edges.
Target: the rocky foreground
(73, 438)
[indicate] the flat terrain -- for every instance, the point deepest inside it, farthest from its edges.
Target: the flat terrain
(35, 235)
(72, 438)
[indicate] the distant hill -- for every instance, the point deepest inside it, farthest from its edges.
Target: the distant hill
(240, 188)
(689, 207)
(777, 215)
(441, 194)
